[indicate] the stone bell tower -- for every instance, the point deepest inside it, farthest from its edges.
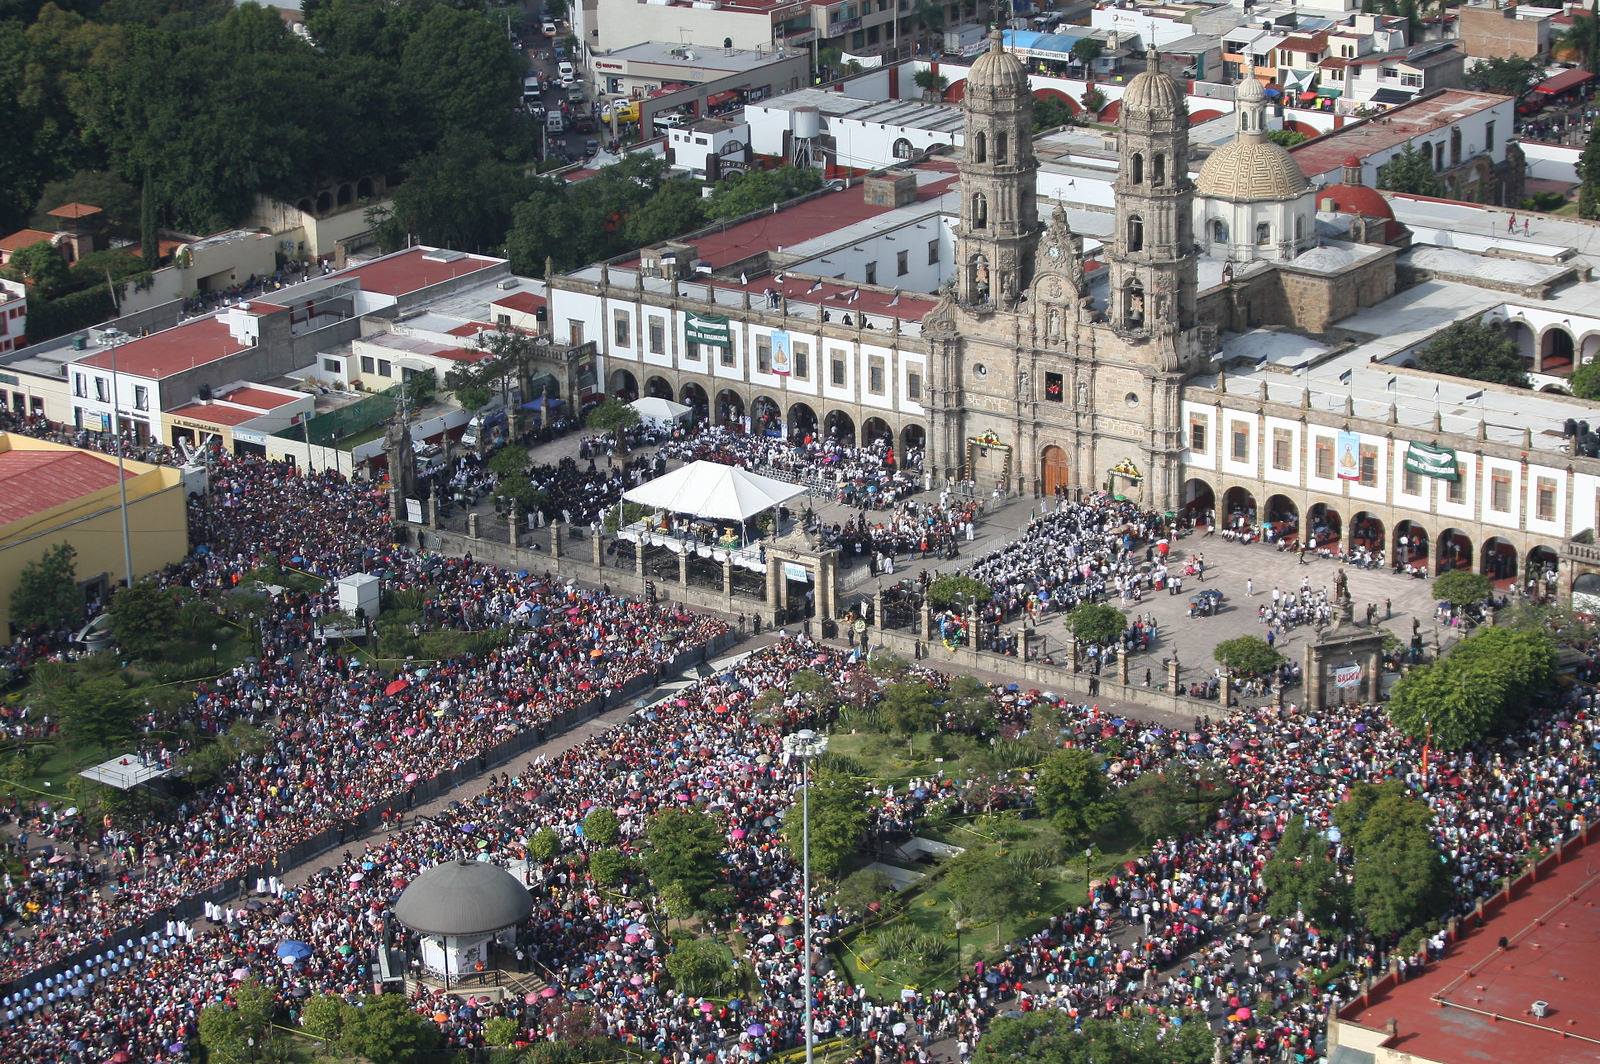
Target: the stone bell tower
(999, 218)
(1152, 265)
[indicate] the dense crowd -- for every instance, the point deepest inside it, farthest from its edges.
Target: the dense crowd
(1078, 552)
(342, 737)
(869, 477)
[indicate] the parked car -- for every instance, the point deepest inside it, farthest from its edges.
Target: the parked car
(567, 70)
(549, 28)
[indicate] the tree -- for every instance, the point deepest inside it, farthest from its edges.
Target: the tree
(1580, 41)
(461, 69)
(675, 209)
(234, 1032)
(143, 617)
(957, 591)
(907, 708)
(1086, 50)
(1411, 171)
(462, 195)
(700, 968)
(613, 416)
(47, 593)
(838, 823)
(1096, 622)
(1585, 380)
(95, 710)
(1400, 878)
(501, 1031)
(1509, 75)
(1287, 138)
(1462, 588)
(932, 83)
(386, 1030)
(863, 889)
(117, 199)
(1247, 655)
(1483, 686)
(1044, 1036)
(149, 239)
(987, 887)
(322, 1016)
(757, 190)
(1072, 791)
(1175, 800)
(42, 266)
(543, 845)
(1589, 175)
(608, 867)
(601, 827)
(1477, 350)
(928, 19)
(685, 847)
(1094, 101)
(1301, 877)
(1051, 113)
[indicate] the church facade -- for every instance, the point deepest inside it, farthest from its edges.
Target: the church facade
(1032, 383)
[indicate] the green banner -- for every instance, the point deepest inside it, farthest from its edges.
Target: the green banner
(706, 329)
(1435, 462)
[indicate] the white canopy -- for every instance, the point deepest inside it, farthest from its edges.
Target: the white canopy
(651, 408)
(713, 491)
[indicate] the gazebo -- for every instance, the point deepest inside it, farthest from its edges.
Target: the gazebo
(458, 908)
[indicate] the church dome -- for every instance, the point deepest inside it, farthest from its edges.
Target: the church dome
(1251, 168)
(1153, 93)
(997, 72)
(1250, 91)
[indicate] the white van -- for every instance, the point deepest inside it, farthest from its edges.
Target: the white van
(554, 122)
(566, 70)
(531, 89)
(662, 123)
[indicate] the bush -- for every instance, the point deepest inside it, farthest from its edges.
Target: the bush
(601, 827)
(500, 1031)
(862, 889)
(702, 968)
(1096, 622)
(958, 591)
(608, 867)
(322, 1016)
(1247, 656)
(1462, 588)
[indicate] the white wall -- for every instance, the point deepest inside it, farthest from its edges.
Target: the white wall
(849, 264)
(1552, 162)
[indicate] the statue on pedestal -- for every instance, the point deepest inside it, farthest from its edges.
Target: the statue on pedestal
(398, 449)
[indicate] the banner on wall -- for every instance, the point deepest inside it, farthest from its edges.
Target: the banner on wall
(709, 329)
(781, 350)
(1346, 676)
(1347, 456)
(1436, 462)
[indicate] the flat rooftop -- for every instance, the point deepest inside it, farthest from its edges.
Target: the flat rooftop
(1475, 1003)
(1396, 126)
(193, 343)
(694, 57)
(32, 482)
(416, 268)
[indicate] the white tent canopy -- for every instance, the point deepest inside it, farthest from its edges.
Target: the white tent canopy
(713, 491)
(659, 411)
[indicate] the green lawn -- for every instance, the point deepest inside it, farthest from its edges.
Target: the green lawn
(927, 906)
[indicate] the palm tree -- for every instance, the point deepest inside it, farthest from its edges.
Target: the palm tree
(1580, 41)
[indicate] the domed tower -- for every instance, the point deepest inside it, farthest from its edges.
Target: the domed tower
(999, 218)
(1251, 200)
(1152, 261)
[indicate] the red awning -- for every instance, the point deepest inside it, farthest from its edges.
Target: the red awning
(717, 99)
(1563, 82)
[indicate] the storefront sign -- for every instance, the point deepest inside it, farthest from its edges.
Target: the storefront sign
(1436, 462)
(1347, 676)
(709, 329)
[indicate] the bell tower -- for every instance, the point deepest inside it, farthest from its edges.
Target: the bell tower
(1152, 261)
(999, 218)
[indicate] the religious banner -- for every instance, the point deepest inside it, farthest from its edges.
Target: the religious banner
(1436, 462)
(1346, 676)
(1347, 453)
(782, 349)
(709, 329)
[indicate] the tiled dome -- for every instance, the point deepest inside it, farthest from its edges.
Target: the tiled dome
(1250, 168)
(997, 72)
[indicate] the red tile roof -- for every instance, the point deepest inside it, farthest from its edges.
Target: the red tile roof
(834, 297)
(259, 398)
(1474, 1003)
(74, 210)
(32, 482)
(25, 238)
(1567, 79)
(526, 302)
(815, 217)
(411, 270)
(215, 413)
(1397, 126)
(162, 354)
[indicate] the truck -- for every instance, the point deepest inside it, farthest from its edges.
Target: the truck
(486, 429)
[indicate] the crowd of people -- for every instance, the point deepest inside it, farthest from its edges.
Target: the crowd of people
(869, 477)
(1084, 551)
(343, 737)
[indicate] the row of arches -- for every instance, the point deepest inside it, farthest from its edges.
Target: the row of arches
(1407, 545)
(340, 196)
(1555, 349)
(766, 415)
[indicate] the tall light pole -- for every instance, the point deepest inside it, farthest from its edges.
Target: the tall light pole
(805, 746)
(122, 473)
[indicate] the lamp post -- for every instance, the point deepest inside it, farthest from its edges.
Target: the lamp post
(122, 473)
(805, 746)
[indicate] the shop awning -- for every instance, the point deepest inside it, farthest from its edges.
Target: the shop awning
(1329, 92)
(1563, 82)
(1390, 97)
(717, 99)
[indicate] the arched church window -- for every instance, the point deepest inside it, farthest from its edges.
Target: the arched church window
(1000, 147)
(1138, 168)
(980, 211)
(902, 149)
(1158, 169)
(1263, 233)
(1135, 233)
(980, 147)
(1219, 231)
